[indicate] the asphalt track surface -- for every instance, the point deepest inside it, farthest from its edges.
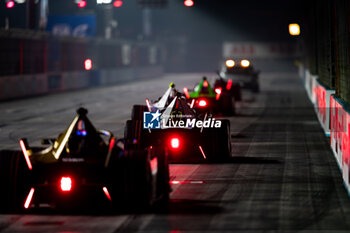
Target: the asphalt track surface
(282, 176)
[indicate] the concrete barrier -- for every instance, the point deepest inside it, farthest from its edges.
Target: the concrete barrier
(19, 86)
(309, 83)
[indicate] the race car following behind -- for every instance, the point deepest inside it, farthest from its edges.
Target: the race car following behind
(205, 98)
(242, 72)
(83, 169)
(229, 87)
(172, 122)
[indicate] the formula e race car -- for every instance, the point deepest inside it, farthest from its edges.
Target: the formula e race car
(228, 87)
(241, 72)
(171, 122)
(83, 169)
(205, 98)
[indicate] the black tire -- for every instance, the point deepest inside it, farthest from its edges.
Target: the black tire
(136, 137)
(224, 139)
(163, 187)
(14, 178)
(137, 112)
(256, 88)
(236, 92)
(228, 105)
(139, 186)
(220, 141)
(132, 133)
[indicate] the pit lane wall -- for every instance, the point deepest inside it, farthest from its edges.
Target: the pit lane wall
(334, 117)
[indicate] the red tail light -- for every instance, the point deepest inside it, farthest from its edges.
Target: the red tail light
(218, 93)
(229, 84)
(175, 143)
(25, 153)
(205, 83)
(105, 190)
(218, 90)
(202, 103)
(66, 184)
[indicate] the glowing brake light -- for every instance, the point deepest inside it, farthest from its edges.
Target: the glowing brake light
(10, 4)
(175, 143)
(82, 4)
(66, 184)
(118, 3)
(188, 3)
(202, 103)
(229, 84)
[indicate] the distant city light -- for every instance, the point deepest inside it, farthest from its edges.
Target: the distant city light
(188, 3)
(10, 4)
(88, 64)
(118, 3)
(294, 29)
(82, 4)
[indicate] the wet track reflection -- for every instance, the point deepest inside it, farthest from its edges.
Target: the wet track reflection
(282, 175)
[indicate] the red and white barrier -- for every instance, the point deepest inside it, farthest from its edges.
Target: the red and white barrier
(340, 136)
(334, 116)
(321, 96)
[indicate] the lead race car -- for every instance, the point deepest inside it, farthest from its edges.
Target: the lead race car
(83, 168)
(242, 72)
(190, 136)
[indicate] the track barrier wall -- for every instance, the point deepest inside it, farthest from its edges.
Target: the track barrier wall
(18, 86)
(334, 117)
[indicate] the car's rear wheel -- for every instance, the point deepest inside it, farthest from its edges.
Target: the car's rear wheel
(236, 92)
(14, 177)
(220, 141)
(135, 135)
(163, 187)
(140, 184)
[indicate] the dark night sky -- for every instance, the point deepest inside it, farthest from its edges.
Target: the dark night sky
(207, 20)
